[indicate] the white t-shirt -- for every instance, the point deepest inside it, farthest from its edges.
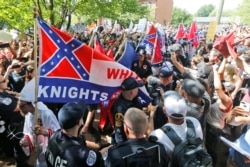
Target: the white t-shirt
(181, 131)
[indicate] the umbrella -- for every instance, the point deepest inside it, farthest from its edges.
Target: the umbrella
(5, 36)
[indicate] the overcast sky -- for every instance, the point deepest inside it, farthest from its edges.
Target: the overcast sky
(192, 6)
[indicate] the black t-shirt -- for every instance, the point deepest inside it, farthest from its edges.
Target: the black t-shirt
(68, 151)
(114, 157)
(144, 71)
(8, 104)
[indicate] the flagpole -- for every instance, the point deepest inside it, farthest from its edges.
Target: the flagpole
(35, 62)
(121, 47)
(34, 154)
(92, 38)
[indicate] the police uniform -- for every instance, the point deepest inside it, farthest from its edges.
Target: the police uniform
(144, 71)
(168, 87)
(118, 110)
(114, 156)
(121, 105)
(11, 127)
(68, 151)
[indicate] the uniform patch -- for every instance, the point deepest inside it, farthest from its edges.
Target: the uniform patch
(135, 64)
(2, 127)
(145, 67)
(7, 101)
(91, 160)
(118, 119)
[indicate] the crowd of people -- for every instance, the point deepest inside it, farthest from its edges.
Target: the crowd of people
(203, 87)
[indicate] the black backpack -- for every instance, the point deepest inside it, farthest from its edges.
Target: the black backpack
(190, 152)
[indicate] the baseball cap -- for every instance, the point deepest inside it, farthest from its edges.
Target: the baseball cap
(71, 113)
(130, 83)
(175, 105)
(166, 72)
(175, 47)
(193, 88)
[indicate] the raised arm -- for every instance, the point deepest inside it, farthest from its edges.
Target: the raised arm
(226, 101)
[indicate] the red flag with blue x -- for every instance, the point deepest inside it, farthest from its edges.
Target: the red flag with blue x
(62, 57)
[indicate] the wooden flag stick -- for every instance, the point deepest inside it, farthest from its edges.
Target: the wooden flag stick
(121, 46)
(35, 62)
(92, 39)
(36, 151)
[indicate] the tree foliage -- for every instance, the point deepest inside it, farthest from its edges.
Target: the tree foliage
(18, 14)
(243, 11)
(205, 10)
(181, 16)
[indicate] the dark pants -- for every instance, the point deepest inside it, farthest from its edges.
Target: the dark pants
(10, 143)
(218, 150)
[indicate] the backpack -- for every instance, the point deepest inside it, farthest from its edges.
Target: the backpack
(190, 152)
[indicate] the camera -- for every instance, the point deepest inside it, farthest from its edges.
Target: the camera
(154, 93)
(167, 56)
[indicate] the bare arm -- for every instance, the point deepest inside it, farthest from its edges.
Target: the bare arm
(151, 110)
(242, 65)
(238, 116)
(225, 99)
(178, 65)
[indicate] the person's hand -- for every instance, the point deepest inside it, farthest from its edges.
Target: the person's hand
(215, 67)
(247, 160)
(152, 109)
(239, 111)
(238, 116)
(38, 130)
(178, 86)
(23, 142)
(84, 130)
(173, 57)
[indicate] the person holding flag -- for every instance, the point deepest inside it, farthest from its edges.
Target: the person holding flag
(36, 138)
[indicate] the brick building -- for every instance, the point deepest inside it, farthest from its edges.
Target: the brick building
(162, 10)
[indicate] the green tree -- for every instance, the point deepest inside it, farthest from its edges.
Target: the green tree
(18, 14)
(243, 11)
(205, 10)
(181, 16)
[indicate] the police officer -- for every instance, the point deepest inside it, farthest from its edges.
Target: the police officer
(135, 125)
(66, 148)
(164, 82)
(141, 66)
(156, 86)
(11, 125)
(128, 98)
